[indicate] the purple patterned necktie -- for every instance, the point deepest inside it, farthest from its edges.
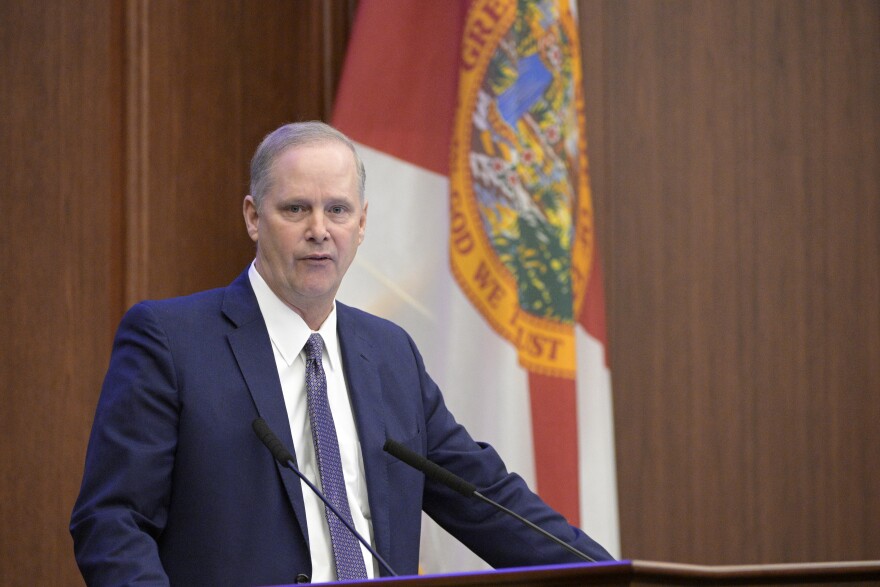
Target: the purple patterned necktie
(346, 549)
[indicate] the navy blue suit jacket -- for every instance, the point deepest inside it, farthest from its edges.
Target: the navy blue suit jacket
(177, 488)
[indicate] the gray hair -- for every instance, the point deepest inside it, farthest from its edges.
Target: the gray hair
(297, 134)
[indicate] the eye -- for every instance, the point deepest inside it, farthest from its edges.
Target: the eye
(295, 208)
(337, 209)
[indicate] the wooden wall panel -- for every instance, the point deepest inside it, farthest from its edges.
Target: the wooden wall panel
(60, 146)
(127, 129)
(735, 151)
(212, 80)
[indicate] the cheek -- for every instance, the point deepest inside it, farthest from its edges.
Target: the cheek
(274, 250)
(283, 237)
(356, 240)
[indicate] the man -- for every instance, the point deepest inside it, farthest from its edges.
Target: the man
(177, 488)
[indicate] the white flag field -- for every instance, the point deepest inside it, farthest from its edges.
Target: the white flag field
(480, 240)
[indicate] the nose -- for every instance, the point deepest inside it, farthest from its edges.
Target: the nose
(317, 228)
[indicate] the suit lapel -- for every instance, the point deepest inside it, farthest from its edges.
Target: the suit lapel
(364, 388)
(253, 351)
(252, 348)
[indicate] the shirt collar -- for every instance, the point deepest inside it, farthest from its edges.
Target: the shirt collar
(287, 330)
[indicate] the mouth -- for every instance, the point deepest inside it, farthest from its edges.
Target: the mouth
(317, 258)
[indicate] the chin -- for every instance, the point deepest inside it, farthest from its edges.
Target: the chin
(317, 292)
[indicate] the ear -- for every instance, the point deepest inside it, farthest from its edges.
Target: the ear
(363, 223)
(251, 217)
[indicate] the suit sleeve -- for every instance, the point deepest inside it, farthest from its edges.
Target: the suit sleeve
(123, 502)
(497, 538)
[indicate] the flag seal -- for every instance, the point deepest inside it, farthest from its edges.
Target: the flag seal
(521, 218)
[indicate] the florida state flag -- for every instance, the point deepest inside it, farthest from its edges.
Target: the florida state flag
(470, 119)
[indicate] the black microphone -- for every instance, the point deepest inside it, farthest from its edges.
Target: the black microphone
(451, 480)
(283, 456)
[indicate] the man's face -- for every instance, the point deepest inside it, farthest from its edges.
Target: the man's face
(309, 226)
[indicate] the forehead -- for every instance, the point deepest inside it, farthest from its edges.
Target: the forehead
(321, 169)
(320, 158)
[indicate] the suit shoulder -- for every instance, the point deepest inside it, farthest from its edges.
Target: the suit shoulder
(194, 312)
(211, 298)
(376, 325)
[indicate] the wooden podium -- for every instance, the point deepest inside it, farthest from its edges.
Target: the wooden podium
(638, 573)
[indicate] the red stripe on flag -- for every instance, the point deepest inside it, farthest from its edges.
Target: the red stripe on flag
(554, 432)
(592, 316)
(399, 85)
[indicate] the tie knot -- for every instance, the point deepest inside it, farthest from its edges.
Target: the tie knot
(314, 346)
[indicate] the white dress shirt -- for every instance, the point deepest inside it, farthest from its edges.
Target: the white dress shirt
(289, 333)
